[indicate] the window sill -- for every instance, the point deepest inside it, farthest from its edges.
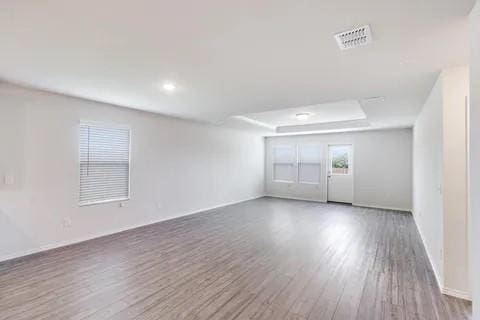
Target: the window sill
(282, 181)
(92, 203)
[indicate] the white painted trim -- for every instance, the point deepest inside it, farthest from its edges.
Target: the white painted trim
(256, 122)
(105, 124)
(456, 293)
(294, 198)
(444, 290)
(435, 271)
(325, 132)
(110, 232)
(380, 207)
(92, 203)
(470, 254)
(324, 201)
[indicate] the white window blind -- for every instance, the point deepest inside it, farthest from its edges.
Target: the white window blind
(283, 163)
(104, 164)
(309, 164)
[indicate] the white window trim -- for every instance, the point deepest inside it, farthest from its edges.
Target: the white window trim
(91, 203)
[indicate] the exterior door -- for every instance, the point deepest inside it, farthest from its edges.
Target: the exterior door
(340, 173)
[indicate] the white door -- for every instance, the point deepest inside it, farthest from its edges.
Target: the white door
(340, 173)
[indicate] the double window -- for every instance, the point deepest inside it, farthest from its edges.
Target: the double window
(104, 164)
(300, 164)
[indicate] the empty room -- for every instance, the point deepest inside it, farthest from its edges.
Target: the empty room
(201, 160)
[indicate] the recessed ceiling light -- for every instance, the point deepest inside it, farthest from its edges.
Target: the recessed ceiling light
(168, 86)
(302, 116)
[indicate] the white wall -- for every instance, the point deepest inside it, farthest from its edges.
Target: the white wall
(440, 180)
(382, 167)
(475, 155)
(178, 167)
(455, 225)
(428, 176)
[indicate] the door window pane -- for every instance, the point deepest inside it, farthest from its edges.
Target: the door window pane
(339, 156)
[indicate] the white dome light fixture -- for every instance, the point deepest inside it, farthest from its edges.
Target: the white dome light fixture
(302, 116)
(169, 87)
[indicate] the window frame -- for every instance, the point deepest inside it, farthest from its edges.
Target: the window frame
(111, 126)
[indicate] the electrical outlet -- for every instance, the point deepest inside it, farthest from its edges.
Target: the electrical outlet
(9, 179)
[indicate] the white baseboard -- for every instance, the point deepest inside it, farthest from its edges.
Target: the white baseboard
(113, 231)
(444, 290)
(325, 201)
(456, 293)
(294, 198)
(380, 207)
(435, 271)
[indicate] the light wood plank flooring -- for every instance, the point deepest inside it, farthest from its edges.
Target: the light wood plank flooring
(261, 259)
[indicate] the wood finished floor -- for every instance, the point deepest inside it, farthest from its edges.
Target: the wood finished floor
(261, 259)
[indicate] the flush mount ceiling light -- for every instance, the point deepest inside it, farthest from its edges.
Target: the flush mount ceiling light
(169, 87)
(354, 38)
(302, 116)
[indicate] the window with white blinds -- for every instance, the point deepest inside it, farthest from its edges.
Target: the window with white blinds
(104, 164)
(309, 164)
(283, 163)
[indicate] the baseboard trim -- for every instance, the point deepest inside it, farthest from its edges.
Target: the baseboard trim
(456, 293)
(353, 204)
(444, 290)
(61, 244)
(430, 260)
(381, 207)
(294, 198)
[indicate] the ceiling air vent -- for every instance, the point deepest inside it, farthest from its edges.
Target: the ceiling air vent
(354, 38)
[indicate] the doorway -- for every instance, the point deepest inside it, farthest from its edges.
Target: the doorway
(340, 173)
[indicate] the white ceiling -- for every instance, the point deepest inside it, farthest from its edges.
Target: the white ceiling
(234, 57)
